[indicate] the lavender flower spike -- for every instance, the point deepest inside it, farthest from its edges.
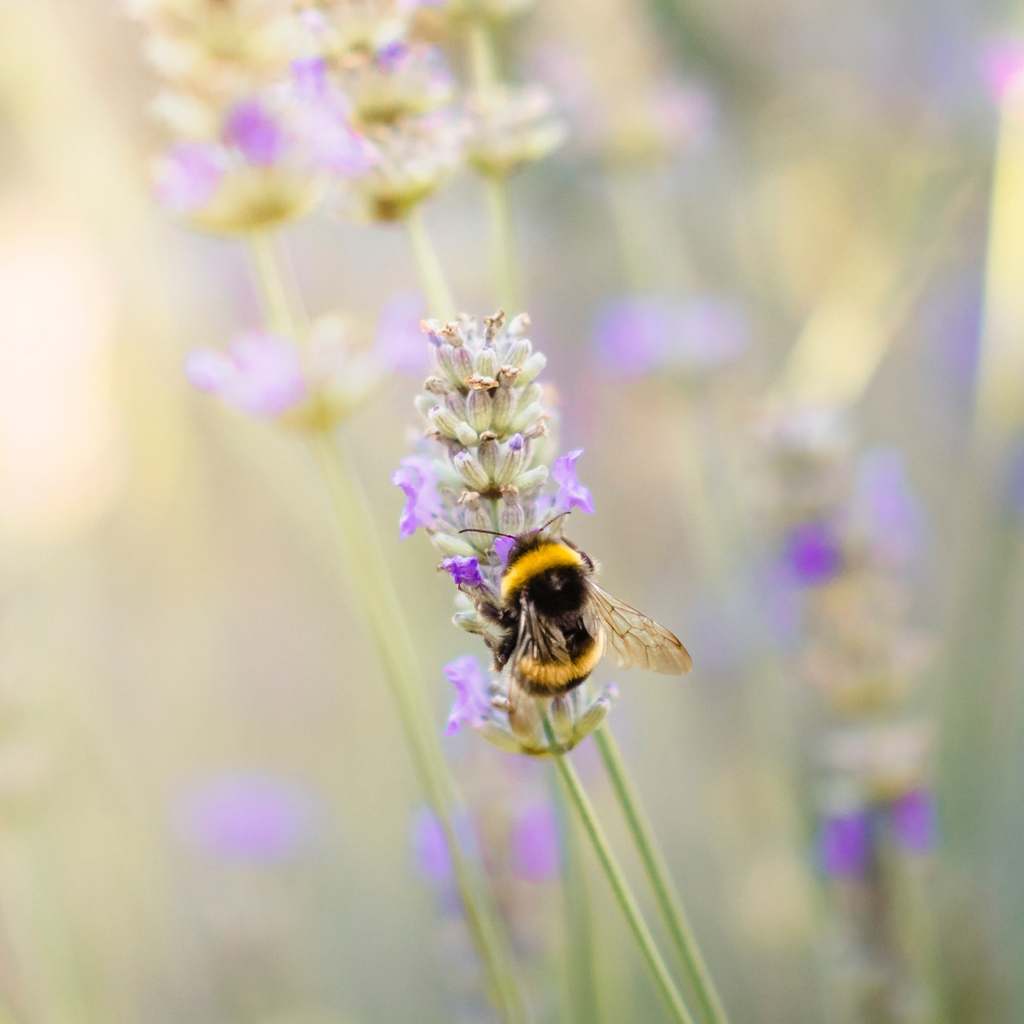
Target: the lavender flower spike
(571, 493)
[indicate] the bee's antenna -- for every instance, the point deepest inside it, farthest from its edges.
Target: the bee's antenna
(552, 520)
(493, 533)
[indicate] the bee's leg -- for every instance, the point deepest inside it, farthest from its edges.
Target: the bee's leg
(525, 712)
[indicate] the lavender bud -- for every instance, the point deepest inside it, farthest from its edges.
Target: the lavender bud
(435, 386)
(507, 376)
(471, 622)
(511, 517)
(445, 421)
(594, 716)
(474, 516)
(452, 333)
(455, 404)
(450, 544)
(531, 393)
(487, 362)
(527, 417)
(466, 434)
(479, 407)
(487, 453)
(471, 471)
(503, 409)
(463, 363)
(493, 324)
(519, 351)
(499, 737)
(446, 362)
(518, 325)
(532, 367)
(510, 463)
(561, 719)
(531, 479)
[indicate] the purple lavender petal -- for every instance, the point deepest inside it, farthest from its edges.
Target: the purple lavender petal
(248, 817)
(534, 848)
(418, 480)
(845, 844)
(399, 343)
(503, 545)
(250, 127)
(472, 701)
(571, 493)
(812, 554)
(188, 176)
(464, 571)
(913, 821)
(431, 856)
(631, 335)
(261, 374)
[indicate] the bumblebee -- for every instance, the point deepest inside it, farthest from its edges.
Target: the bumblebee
(554, 623)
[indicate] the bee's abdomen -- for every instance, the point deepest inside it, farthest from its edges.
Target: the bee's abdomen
(550, 678)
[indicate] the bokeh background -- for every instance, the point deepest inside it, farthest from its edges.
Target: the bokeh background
(206, 810)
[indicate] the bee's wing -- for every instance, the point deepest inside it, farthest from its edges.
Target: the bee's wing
(540, 641)
(632, 639)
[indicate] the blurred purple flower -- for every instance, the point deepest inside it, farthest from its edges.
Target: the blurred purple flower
(399, 343)
(913, 821)
(709, 332)
(534, 847)
(418, 480)
(845, 844)
(812, 554)
(309, 76)
(248, 817)
(430, 847)
(1002, 65)
(188, 175)
(260, 374)
(256, 133)
(464, 571)
(885, 510)
(630, 336)
(472, 701)
(637, 335)
(571, 493)
(504, 545)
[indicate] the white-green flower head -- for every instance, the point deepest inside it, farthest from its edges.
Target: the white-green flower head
(511, 127)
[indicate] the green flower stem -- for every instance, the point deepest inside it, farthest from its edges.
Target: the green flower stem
(619, 886)
(277, 310)
(442, 305)
(661, 882)
(503, 245)
(582, 987)
(486, 77)
(382, 610)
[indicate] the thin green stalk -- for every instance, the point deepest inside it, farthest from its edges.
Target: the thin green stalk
(277, 310)
(503, 244)
(486, 77)
(379, 604)
(619, 886)
(442, 305)
(665, 893)
(582, 986)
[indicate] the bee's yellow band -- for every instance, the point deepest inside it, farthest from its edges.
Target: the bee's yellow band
(547, 556)
(552, 675)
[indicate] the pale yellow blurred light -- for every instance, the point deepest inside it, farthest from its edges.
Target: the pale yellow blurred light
(62, 454)
(1000, 400)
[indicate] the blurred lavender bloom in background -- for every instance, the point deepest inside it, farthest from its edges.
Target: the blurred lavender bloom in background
(845, 844)
(398, 342)
(248, 817)
(431, 857)
(914, 821)
(534, 844)
(260, 374)
(1002, 66)
(812, 554)
(692, 336)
